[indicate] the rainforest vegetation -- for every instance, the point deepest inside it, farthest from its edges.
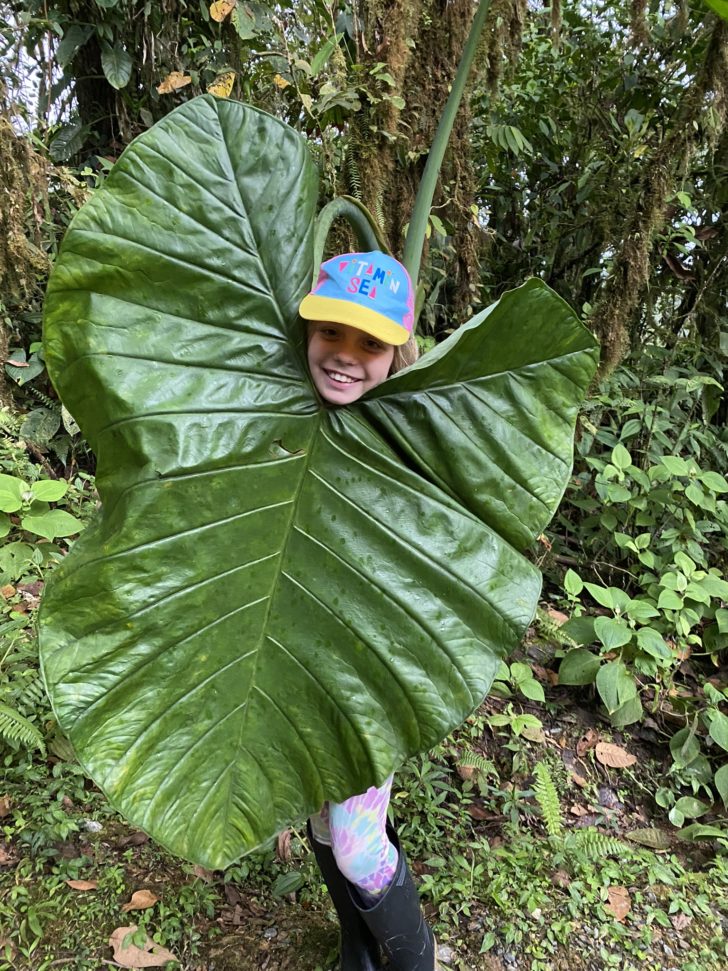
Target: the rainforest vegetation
(578, 819)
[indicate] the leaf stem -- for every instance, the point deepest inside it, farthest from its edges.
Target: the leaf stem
(415, 240)
(359, 218)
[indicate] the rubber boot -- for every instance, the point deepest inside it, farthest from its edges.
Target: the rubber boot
(358, 949)
(397, 922)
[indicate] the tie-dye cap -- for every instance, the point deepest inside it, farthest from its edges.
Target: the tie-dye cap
(369, 291)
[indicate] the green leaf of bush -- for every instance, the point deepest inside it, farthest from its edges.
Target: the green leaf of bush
(721, 783)
(116, 65)
(579, 667)
(719, 729)
(621, 457)
(52, 523)
(615, 685)
(612, 632)
(684, 747)
(11, 492)
(691, 808)
(280, 601)
(49, 490)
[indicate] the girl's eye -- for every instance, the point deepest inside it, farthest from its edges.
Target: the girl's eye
(374, 345)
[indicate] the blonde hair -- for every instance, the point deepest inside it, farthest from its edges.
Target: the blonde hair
(404, 355)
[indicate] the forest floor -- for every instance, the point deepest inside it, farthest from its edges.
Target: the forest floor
(617, 889)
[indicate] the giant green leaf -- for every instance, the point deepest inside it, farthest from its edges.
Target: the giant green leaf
(279, 601)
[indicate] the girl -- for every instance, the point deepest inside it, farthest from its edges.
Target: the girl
(360, 317)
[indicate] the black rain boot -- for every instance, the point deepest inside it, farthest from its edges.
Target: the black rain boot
(397, 922)
(358, 949)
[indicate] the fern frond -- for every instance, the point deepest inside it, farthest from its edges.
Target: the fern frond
(33, 695)
(14, 727)
(548, 800)
(354, 177)
(474, 760)
(547, 628)
(44, 399)
(592, 845)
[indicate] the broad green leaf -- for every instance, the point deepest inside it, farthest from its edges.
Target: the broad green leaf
(613, 633)
(698, 831)
(73, 38)
(116, 65)
(719, 729)
(669, 600)
(684, 747)
(11, 492)
(621, 457)
(532, 689)
(674, 464)
(720, 7)
(628, 713)
(602, 595)
(721, 783)
(49, 490)
(279, 601)
(714, 481)
(651, 642)
(579, 667)
(715, 586)
(52, 523)
(615, 685)
(580, 629)
(721, 616)
(691, 808)
(5, 524)
(573, 583)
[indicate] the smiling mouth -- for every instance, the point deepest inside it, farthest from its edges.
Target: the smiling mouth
(339, 378)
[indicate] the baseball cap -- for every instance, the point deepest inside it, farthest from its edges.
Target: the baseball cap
(369, 291)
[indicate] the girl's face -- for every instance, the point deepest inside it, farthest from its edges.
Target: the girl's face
(345, 362)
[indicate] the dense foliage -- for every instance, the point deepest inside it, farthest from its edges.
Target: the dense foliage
(593, 156)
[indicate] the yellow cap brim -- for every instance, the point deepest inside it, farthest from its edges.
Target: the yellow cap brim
(343, 312)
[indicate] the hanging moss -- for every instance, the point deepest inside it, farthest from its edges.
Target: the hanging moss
(23, 183)
(700, 120)
(638, 26)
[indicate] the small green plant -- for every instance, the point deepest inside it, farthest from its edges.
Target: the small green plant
(30, 502)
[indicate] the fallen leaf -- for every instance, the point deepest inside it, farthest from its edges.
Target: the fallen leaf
(7, 591)
(534, 735)
(476, 811)
(140, 900)
(655, 839)
(577, 810)
(5, 804)
(681, 921)
(283, 846)
(221, 8)
(151, 955)
(614, 755)
(173, 82)
(34, 588)
(82, 884)
(619, 904)
(280, 82)
(587, 742)
(578, 779)
(207, 875)
(222, 86)
(134, 839)
(232, 894)
(557, 616)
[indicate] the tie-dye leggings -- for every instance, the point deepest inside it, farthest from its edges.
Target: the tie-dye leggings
(356, 831)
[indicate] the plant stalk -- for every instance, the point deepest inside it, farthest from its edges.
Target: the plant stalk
(359, 218)
(415, 241)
